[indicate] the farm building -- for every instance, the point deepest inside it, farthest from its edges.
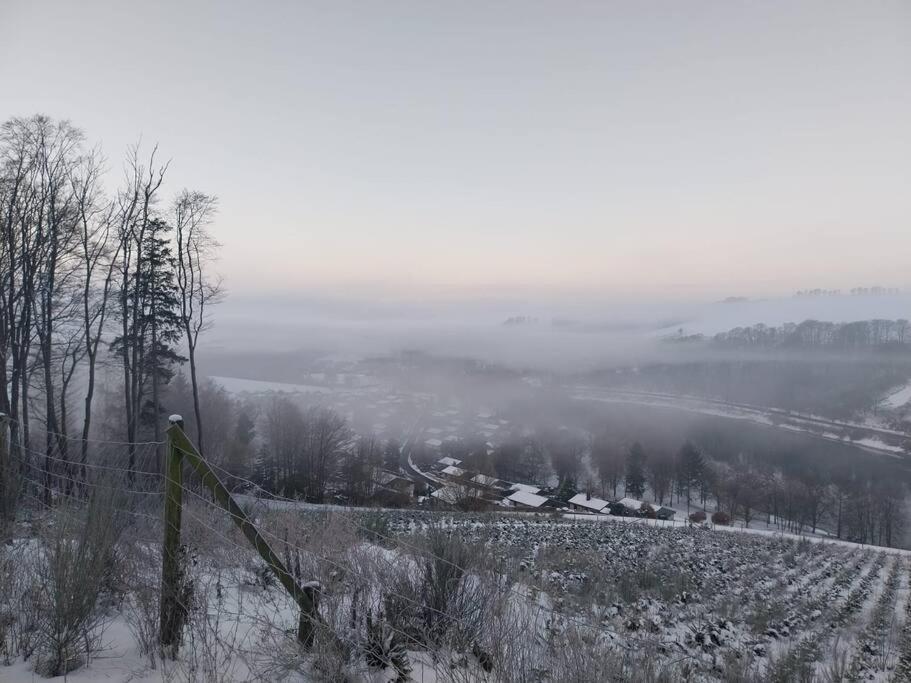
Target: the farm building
(446, 462)
(527, 488)
(453, 471)
(586, 503)
(485, 480)
(528, 500)
(395, 482)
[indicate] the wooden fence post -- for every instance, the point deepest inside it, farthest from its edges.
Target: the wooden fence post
(171, 621)
(304, 597)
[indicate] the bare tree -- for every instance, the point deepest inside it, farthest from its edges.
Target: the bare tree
(135, 216)
(197, 289)
(660, 476)
(17, 275)
(328, 439)
(99, 251)
(39, 293)
(607, 457)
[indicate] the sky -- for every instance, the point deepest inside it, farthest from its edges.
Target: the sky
(440, 150)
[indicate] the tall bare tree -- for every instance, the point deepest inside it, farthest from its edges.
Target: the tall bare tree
(197, 288)
(98, 250)
(135, 221)
(39, 293)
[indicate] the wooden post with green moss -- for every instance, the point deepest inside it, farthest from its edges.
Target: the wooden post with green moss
(171, 611)
(304, 597)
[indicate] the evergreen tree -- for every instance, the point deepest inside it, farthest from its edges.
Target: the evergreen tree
(151, 324)
(690, 470)
(566, 490)
(635, 471)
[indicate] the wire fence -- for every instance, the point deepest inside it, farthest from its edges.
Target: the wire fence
(423, 606)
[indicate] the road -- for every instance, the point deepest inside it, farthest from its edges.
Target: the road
(405, 450)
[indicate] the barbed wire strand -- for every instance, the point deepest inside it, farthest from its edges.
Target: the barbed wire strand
(397, 541)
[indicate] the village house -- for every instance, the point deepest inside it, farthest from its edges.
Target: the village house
(626, 507)
(527, 500)
(587, 503)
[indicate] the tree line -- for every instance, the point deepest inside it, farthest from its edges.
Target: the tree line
(848, 336)
(859, 504)
(855, 505)
(95, 278)
(875, 334)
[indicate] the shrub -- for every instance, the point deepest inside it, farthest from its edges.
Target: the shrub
(442, 599)
(384, 649)
(75, 565)
(698, 517)
(17, 600)
(721, 518)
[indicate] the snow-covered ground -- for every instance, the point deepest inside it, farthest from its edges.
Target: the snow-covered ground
(898, 398)
(616, 592)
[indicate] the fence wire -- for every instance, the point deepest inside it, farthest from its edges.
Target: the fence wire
(377, 599)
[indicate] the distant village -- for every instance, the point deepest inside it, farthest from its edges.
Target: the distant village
(428, 430)
(465, 489)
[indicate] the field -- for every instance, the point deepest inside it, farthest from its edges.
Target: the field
(707, 605)
(425, 596)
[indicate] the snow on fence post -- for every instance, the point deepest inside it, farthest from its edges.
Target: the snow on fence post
(304, 597)
(170, 615)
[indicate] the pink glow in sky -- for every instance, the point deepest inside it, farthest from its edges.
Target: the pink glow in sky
(681, 148)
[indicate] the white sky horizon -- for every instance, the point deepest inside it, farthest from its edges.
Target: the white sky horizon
(428, 151)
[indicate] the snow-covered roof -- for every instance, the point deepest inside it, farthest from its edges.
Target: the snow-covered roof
(386, 477)
(484, 480)
(449, 461)
(529, 499)
(528, 488)
(453, 471)
(631, 503)
(434, 443)
(588, 502)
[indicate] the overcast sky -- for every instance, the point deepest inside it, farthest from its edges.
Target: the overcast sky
(685, 149)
